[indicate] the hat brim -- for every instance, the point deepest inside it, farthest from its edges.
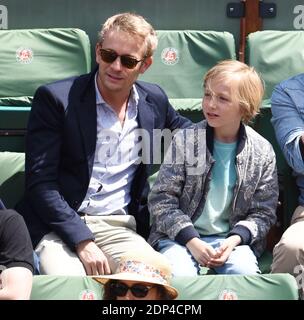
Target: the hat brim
(172, 292)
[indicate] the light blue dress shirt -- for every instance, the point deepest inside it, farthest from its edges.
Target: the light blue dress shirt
(287, 107)
(116, 159)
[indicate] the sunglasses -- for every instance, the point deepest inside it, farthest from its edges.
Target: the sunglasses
(109, 56)
(138, 290)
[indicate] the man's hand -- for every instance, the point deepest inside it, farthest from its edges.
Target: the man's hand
(93, 259)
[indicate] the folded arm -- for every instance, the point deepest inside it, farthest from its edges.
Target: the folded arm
(287, 109)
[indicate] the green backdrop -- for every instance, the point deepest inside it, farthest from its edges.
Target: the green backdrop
(163, 14)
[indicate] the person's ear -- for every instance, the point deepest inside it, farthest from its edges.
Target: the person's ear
(146, 64)
(97, 52)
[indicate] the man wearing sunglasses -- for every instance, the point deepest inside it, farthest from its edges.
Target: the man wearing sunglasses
(83, 207)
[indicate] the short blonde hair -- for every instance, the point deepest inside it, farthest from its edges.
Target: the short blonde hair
(249, 85)
(132, 24)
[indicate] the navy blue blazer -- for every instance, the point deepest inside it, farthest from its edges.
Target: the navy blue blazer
(60, 148)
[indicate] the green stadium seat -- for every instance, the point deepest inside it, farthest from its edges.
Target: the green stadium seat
(66, 288)
(277, 55)
(180, 62)
(237, 287)
(207, 287)
(32, 57)
(28, 59)
(288, 189)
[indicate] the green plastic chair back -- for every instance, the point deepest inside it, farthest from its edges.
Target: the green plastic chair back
(208, 287)
(66, 288)
(32, 57)
(181, 60)
(288, 197)
(28, 59)
(277, 55)
(237, 287)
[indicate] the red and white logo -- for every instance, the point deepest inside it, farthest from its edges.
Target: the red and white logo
(170, 56)
(87, 295)
(24, 55)
(228, 294)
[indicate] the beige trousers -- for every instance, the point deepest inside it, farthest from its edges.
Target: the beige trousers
(288, 254)
(114, 235)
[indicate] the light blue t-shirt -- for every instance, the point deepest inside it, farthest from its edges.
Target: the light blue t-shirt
(215, 217)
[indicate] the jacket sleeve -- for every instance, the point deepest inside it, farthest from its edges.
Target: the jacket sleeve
(261, 215)
(43, 153)
(288, 122)
(164, 198)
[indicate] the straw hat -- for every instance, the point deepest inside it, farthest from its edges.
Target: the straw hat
(146, 266)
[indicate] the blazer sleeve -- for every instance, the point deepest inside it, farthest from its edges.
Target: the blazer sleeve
(43, 153)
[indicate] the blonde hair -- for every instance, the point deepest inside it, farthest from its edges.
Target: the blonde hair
(132, 24)
(249, 85)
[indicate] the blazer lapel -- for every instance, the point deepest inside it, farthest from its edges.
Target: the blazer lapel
(87, 117)
(146, 122)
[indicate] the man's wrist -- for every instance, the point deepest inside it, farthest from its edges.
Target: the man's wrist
(83, 243)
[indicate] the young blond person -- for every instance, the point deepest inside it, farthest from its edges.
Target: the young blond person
(218, 216)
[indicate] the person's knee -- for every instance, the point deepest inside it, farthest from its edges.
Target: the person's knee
(244, 269)
(290, 244)
(241, 261)
(182, 265)
(180, 271)
(56, 259)
(289, 252)
(181, 262)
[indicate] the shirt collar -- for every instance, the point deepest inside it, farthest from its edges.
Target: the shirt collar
(132, 104)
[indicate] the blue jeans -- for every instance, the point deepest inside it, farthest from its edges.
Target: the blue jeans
(36, 264)
(241, 260)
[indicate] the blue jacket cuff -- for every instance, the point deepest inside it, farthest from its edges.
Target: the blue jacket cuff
(186, 234)
(243, 232)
